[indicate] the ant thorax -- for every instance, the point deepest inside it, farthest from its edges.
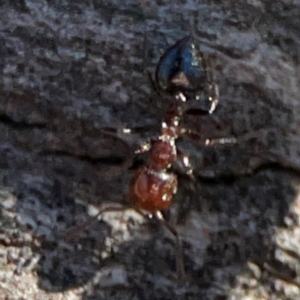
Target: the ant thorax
(162, 154)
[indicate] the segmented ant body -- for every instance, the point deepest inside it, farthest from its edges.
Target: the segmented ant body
(182, 74)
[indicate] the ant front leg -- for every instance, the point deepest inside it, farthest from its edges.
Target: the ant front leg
(212, 87)
(213, 96)
(154, 84)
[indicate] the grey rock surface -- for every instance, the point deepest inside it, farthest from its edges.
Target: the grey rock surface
(73, 75)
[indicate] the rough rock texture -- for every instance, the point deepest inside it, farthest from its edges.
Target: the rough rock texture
(69, 70)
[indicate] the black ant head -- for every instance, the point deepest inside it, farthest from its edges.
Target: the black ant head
(181, 69)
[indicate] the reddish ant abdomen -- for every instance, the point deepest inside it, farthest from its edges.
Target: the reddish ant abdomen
(153, 187)
(153, 190)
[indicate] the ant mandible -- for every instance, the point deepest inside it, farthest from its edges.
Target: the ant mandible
(182, 74)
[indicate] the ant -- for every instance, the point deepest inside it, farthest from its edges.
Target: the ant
(182, 74)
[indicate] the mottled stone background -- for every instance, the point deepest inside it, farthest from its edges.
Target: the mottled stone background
(69, 70)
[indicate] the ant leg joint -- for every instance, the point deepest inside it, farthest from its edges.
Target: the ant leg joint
(213, 97)
(222, 141)
(144, 147)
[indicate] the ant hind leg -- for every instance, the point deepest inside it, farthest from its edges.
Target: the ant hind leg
(72, 232)
(180, 269)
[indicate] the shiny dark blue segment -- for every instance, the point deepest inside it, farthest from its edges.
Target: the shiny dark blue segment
(180, 68)
(167, 67)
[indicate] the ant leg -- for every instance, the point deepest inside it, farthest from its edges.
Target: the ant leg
(220, 141)
(213, 92)
(249, 136)
(193, 135)
(146, 146)
(125, 135)
(179, 255)
(182, 165)
(71, 233)
(212, 89)
(153, 83)
(253, 135)
(114, 132)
